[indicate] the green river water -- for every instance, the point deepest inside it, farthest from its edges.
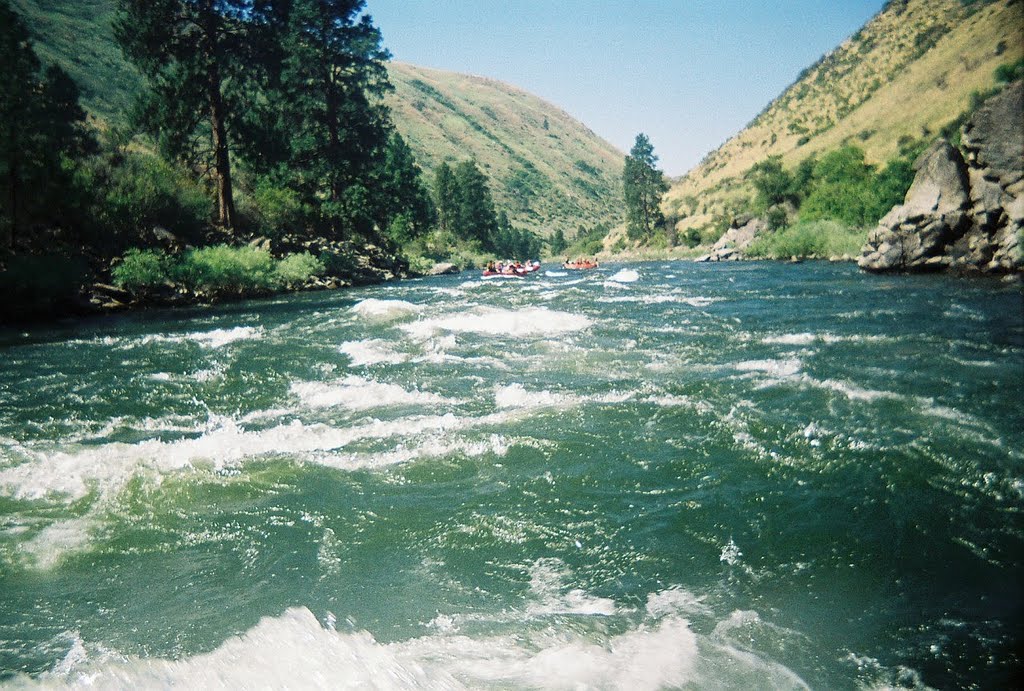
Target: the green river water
(653, 475)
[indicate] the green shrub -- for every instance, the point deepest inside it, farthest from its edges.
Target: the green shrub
(228, 269)
(142, 269)
(298, 268)
(277, 210)
(818, 238)
(135, 192)
(1010, 72)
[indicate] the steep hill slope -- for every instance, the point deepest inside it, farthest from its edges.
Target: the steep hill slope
(906, 74)
(547, 170)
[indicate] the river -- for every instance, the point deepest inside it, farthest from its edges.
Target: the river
(650, 475)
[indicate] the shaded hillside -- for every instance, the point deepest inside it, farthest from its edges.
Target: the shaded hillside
(547, 170)
(905, 75)
(77, 35)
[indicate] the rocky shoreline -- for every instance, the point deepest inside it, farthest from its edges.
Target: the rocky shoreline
(354, 265)
(962, 214)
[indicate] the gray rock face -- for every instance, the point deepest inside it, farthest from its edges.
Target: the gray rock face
(962, 215)
(994, 137)
(443, 268)
(731, 245)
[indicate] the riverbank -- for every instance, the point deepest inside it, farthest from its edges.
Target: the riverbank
(68, 282)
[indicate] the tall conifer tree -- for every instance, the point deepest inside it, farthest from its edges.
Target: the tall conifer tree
(41, 123)
(194, 55)
(445, 196)
(643, 185)
(332, 81)
(475, 215)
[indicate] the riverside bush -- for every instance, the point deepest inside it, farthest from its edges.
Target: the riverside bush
(135, 192)
(217, 269)
(142, 269)
(809, 238)
(298, 268)
(222, 268)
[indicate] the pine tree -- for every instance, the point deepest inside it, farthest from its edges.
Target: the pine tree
(475, 216)
(557, 242)
(338, 129)
(644, 186)
(41, 125)
(194, 55)
(406, 210)
(445, 196)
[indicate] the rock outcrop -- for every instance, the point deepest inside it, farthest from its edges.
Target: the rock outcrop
(964, 215)
(739, 236)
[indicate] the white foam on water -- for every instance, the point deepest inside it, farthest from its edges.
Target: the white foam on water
(852, 391)
(675, 601)
(357, 393)
(296, 650)
(791, 339)
(556, 274)
(641, 299)
(674, 401)
(371, 351)
(219, 338)
(45, 550)
(501, 323)
(731, 553)
(517, 396)
(625, 276)
(803, 339)
(434, 446)
(74, 473)
(550, 594)
(374, 309)
(700, 301)
(776, 368)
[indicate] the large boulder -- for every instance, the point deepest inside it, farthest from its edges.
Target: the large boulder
(736, 239)
(994, 136)
(964, 215)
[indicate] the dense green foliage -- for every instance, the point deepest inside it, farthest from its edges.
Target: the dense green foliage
(558, 244)
(643, 186)
(275, 102)
(467, 214)
(587, 242)
(194, 56)
(809, 238)
(216, 269)
(332, 129)
(1010, 72)
(41, 130)
(839, 186)
(125, 193)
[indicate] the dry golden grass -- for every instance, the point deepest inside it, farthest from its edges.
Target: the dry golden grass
(882, 84)
(547, 170)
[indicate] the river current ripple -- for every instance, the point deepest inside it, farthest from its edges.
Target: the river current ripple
(653, 475)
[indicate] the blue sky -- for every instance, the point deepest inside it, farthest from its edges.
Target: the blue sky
(688, 73)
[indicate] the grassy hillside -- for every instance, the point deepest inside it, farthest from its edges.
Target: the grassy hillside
(547, 170)
(77, 35)
(906, 74)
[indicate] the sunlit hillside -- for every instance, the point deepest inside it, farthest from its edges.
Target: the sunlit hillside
(547, 169)
(906, 74)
